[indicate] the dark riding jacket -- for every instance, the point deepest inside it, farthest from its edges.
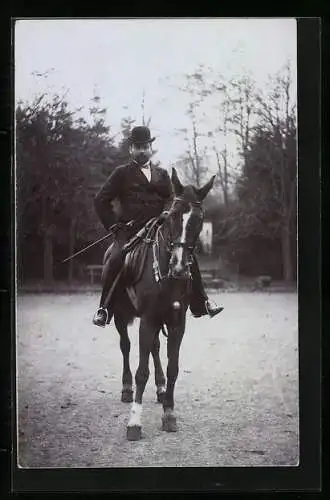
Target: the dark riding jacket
(139, 199)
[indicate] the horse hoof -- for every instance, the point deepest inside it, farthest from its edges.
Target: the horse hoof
(169, 423)
(134, 433)
(127, 396)
(161, 397)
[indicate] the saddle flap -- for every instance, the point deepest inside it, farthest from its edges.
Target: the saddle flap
(136, 257)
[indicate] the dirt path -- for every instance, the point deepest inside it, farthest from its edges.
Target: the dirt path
(236, 394)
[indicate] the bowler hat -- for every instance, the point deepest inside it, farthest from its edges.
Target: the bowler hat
(140, 135)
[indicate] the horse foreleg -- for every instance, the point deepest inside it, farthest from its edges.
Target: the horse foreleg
(125, 346)
(159, 374)
(175, 335)
(148, 330)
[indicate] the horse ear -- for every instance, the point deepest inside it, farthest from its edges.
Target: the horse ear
(203, 191)
(178, 188)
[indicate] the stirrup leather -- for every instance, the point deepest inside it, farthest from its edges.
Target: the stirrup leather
(207, 306)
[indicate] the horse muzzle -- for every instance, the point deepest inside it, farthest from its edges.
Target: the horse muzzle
(182, 274)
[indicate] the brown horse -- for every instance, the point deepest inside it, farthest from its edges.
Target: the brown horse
(160, 296)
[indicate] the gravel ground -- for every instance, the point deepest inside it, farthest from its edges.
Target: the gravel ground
(236, 394)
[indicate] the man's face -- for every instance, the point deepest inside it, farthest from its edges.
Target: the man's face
(141, 153)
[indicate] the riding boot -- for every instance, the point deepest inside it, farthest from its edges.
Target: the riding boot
(200, 304)
(111, 270)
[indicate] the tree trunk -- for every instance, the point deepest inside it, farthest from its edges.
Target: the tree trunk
(72, 239)
(287, 268)
(197, 165)
(48, 256)
(48, 243)
(225, 175)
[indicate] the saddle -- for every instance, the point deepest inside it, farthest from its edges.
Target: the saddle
(136, 251)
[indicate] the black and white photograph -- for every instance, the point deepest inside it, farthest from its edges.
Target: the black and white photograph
(156, 243)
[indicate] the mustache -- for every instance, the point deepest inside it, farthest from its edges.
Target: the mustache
(141, 157)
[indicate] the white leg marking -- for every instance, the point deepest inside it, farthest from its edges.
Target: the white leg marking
(179, 251)
(135, 416)
(161, 389)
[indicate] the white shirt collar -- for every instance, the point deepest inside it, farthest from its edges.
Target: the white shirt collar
(146, 165)
(146, 170)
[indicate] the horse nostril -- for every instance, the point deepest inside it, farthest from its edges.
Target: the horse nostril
(180, 272)
(175, 272)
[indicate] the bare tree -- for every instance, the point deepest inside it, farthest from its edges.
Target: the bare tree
(240, 95)
(144, 121)
(278, 115)
(222, 154)
(195, 86)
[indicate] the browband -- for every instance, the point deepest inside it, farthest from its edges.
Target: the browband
(177, 198)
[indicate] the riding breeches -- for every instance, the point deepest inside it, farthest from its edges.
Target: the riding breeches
(113, 262)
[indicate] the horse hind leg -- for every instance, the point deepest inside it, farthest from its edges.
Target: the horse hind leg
(159, 374)
(125, 346)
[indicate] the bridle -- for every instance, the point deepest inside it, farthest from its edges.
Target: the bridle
(170, 246)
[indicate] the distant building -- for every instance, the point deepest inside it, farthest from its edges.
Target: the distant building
(206, 236)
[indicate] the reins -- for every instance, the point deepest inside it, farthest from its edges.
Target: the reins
(169, 247)
(159, 277)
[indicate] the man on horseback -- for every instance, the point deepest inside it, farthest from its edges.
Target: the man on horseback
(143, 190)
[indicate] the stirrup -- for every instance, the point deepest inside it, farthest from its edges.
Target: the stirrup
(212, 312)
(98, 323)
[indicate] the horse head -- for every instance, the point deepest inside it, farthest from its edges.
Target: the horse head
(186, 217)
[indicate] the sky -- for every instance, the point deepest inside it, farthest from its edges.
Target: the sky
(119, 59)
